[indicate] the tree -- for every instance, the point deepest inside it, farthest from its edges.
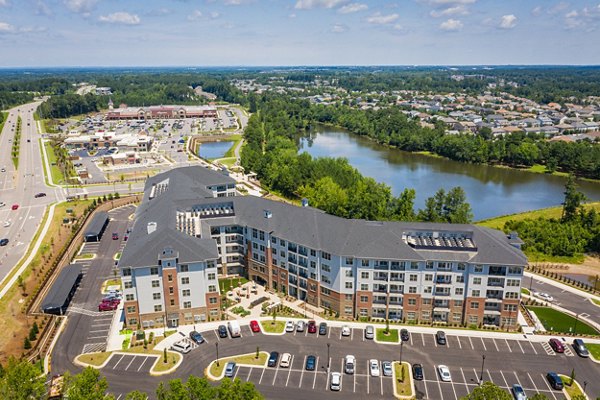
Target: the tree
(21, 380)
(200, 388)
(573, 200)
(136, 395)
(26, 343)
(87, 385)
(539, 396)
(488, 391)
(403, 207)
(456, 208)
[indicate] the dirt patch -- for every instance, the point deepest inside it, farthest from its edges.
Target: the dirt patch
(590, 266)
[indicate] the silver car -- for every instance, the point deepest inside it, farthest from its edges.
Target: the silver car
(518, 392)
(369, 332)
(386, 366)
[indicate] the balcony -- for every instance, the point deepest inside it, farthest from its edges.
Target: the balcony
(397, 290)
(498, 271)
(443, 281)
(302, 250)
(293, 270)
(303, 274)
(379, 300)
(397, 278)
(292, 259)
(441, 304)
(292, 248)
(495, 282)
(442, 293)
(380, 288)
(382, 267)
(383, 278)
(494, 294)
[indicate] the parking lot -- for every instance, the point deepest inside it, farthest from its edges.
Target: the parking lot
(130, 362)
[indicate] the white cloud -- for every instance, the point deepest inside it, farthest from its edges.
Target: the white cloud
(508, 21)
(215, 14)
(80, 6)
(4, 3)
(292, 15)
(451, 25)
(310, 4)
(352, 8)
(572, 14)
(339, 28)
(42, 8)
(120, 17)
(449, 2)
(6, 27)
(380, 19)
(196, 14)
(459, 9)
(537, 11)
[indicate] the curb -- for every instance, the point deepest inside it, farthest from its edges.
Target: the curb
(262, 330)
(226, 360)
(384, 342)
(173, 368)
(412, 382)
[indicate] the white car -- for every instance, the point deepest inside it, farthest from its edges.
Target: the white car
(289, 326)
(2, 204)
(336, 381)
(345, 330)
(374, 367)
(6, 224)
(543, 296)
(444, 373)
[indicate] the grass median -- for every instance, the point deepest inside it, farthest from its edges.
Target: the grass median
(273, 326)
(594, 350)
(245, 359)
(382, 336)
(556, 321)
(403, 385)
(572, 390)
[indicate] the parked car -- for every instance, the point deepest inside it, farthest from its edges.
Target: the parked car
(182, 346)
(374, 367)
(273, 357)
(40, 194)
(289, 326)
(6, 223)
(349, 364)
(557, 345)
(386, 366)
(417, 372)
(543, 296)
(440, 337)
(444, 373)
(312, 326)
(222, 329)
(518, 392)
(15, 207)
(115, 236)
(346, 330)
(300, 326)
(230, 369)
(580, 348)
(336, 381)
(107, 306)
(254, 326)
(196, 337)
(554, 380)
(2, 204)
(311, 363)
(404, 335)
(323, 328)
(369, 332)
(286, 359)
(3, 242)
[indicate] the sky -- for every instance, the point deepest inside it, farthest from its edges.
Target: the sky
(46, 33)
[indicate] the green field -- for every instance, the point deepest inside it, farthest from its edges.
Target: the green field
(594, 350)
(391, 337)
(273, 327)
(226, 284)
(557, 321)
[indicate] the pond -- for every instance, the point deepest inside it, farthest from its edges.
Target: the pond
(212, 150)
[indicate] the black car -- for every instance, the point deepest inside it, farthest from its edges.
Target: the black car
(222, 329)
(404, 335)
(3, 242)
(273, 357)
(440, 336)
(196, 337)
(418, 372)
(41, 194)
(311, 362)
(554, 380)
(580, 348)
(323, 328)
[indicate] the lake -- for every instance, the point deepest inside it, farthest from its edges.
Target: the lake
(212, 150)
(492, 191)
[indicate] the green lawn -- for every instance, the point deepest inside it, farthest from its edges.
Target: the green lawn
(403, 386)
(573, 390)
(273, 327)
(596, 302)
(525, 291)
(594, 350)
(226, 284)
(57, 175)
(557, 321)
(246, 359)
(391, 337)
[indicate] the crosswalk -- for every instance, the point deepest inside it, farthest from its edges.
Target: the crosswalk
(94, 347)
(80, 310)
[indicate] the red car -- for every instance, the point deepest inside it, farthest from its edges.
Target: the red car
(115, 236)
(107, 306)
(254, 326)
(312, 326)
(15, 207)
(556, 345)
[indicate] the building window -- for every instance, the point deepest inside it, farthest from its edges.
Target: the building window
(348, 273)
(364, 287)
(515, 270)
(364, 312)
(414, 265)
(156, 296)
(157, 307)
(348, 310)
(185, 292)
(326, 256)
(460, 279)
(513, 282)
(475, 293)
(426, 301)
(325, 268)
(364, 275)
(129, 297)
(348, 297)
(428, 277)
(171, 290)
(325, 291)
(172, 302)
(132, 321)
(476, 281)
(153, 270)
(313, 264)
(212, 288)
(428, 289)
(273, 240)
(456, 317)
(364, 299)
(212, 276)
(458, 303)
(313, 252)
(412, 289)
(212, 300)
(474, 305)
(325, 279)
(511, 295)
(131, 309)
(413, 277)
(348, 285)
(510, 307)
(412, 302)
(187, 304)
(170, 277)
(261, 235)
(459, 291)
(156, 283)
(478, 268)
(429, 265)
(185, 280)
(126, 271)
(184, 268)
(128, 285)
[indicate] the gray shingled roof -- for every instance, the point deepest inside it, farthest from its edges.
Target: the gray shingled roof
(303, 225)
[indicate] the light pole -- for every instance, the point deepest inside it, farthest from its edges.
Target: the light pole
(584, 385)
(217, 346)
(575, 328)
(401, 346)
(328, 346)
(482, 364)
(530, 283)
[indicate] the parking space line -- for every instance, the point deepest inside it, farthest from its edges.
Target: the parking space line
(517, 378)
(549, 388)
(490, 376)
(425, 384)
(437, 378)
(533, 347)
(354, 388)
(381, 380)
(505, 381)
(352, 334)
(452, 383)
(130, 362)
(261, 376)
(411, 341)
(509, 349)
(142, 364)
(470, 341)
(98, 337)
(484, 348)
(316, 369)
(290, 371)
(447, 341)
(99, 330)
(464, 379)
(533, 383)
(236, 373)
(521, 347)
(115, 366)
(459, 344)
(249, 373)
(477, 377)
(368, 379)
(302, 373)
(342, 374)
(216, 335)
(329, 333)
(435, 341)
(327, 383)
(423, 338)
(496, 344)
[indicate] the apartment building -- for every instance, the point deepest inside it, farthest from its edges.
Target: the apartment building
(425, 272)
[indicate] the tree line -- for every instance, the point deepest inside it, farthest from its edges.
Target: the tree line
(331, 184)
